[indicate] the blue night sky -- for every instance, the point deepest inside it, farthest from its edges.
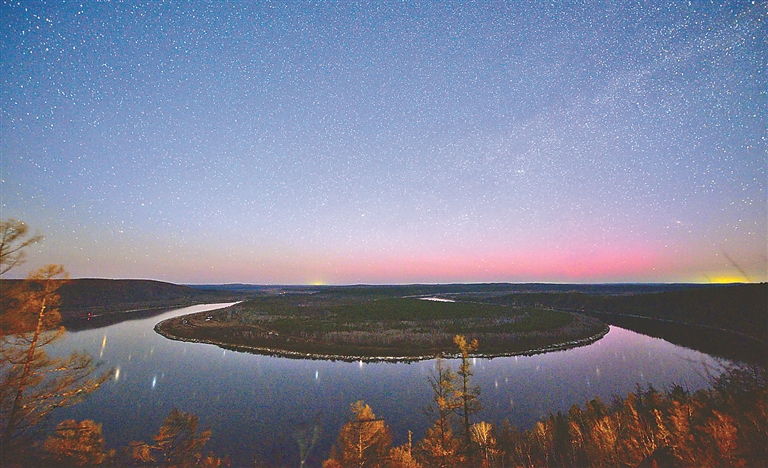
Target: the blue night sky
(388, 142)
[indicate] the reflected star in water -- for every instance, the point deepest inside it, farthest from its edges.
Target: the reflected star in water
(103, 345)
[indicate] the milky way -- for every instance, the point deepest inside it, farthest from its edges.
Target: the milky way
(392, 142)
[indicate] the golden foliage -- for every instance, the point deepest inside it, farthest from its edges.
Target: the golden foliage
(76, 444)
(363, 441)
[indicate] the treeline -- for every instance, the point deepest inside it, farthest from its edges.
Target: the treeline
(724, 426)
(739, 308)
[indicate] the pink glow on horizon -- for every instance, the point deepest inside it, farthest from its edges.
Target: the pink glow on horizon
(550, 266)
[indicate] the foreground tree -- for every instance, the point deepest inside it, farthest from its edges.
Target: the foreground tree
(440, 448)
(363, 441)
(403, 456)
(32, 384)
(75, 444)
(14, 238)
(467, 394)
(483, 438)
(177, 444)
(723, 426)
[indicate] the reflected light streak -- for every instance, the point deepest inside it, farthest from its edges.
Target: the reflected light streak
(103, 345)
(154, 382)
(117, 374)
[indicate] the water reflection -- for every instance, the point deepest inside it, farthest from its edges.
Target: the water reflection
(255, 403)
(103, 345)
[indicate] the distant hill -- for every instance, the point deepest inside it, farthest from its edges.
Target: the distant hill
(102, 298)
(89, 293)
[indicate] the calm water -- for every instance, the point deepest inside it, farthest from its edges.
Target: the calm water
(260, 406)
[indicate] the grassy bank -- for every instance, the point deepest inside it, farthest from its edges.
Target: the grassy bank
(364, 327)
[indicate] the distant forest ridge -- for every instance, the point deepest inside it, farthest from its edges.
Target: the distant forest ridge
(459, 288)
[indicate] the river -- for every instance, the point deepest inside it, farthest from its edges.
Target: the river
(260, 407)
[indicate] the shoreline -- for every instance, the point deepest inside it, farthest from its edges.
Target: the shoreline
(276, 352)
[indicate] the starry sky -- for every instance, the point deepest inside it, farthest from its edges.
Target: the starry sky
(388, 142)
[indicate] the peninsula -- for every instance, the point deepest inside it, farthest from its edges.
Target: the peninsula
(374, 327)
